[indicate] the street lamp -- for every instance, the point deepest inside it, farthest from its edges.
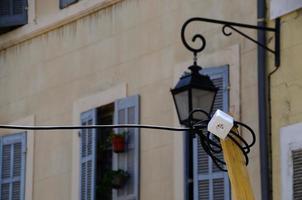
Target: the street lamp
(194, 94)
(194, 91)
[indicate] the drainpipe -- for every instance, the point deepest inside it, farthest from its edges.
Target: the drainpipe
(264, 139)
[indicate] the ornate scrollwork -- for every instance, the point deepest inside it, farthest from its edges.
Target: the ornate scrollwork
(224, 30)
(194, 38)
(231, 26)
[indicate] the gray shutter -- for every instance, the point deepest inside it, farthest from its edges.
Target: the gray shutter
(12, 173)
(126, 111)
(87, 153)
(297, 174)
(65, 3)
(12, 13)
(209, 182)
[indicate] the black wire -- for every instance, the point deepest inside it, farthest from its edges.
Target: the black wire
(243, 152)
(200, 124)
(249, 129)
(207, 148)
(214, 158)
(210, 145)
(211, 142)
(246, 148)
(17, 127)
(198, 128)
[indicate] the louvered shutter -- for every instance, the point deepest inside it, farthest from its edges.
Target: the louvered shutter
(209, 182)
(126, 111)
(297, 173)
(12, 167)
(87, 152)
(12, 13)
(65, 3)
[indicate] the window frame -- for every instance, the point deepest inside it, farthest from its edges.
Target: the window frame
(290, 140)
(11, 139)
(79, 106)
(124, 102)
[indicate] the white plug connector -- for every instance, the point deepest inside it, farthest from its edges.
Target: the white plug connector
(220, 124)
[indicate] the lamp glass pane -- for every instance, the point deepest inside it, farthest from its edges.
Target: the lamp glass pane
(202, 99)
(182, 104)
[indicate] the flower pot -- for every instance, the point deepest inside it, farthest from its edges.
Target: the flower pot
(119, 179)
(118, 144)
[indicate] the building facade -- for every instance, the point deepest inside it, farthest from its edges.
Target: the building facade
(286, 104)
(114, 61)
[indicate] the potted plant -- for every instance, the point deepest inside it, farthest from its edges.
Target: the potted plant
(118, 142)
(119, 178)
(111, 179)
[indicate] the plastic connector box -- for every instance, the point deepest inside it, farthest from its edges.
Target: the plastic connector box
(220, 124)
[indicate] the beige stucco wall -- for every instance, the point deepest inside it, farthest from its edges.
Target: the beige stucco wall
(286, 88)
(134, 43)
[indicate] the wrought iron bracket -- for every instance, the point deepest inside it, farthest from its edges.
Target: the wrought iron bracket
(231, 26)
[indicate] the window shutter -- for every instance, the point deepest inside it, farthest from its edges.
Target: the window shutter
(87, 152)
(65, 3)
(12, 167)
(209, 182)
(297, 174)
(12, 13)
(204, 192)
(126, 111)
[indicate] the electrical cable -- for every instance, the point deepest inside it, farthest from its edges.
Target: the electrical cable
(212, 146)
(212, 142)
(208, 141)
(18, 127)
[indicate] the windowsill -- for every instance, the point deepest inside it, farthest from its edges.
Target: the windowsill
(38, 26)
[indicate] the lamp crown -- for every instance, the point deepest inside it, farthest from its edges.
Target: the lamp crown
(195, 69)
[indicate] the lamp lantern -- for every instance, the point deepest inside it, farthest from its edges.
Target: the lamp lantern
(194, 91)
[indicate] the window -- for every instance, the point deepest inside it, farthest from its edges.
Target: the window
(12, 166)
(209, 182)
(13, 13)
(291, 162)
(97, 157)
(297, 173)
(65, 3)
(104, 153)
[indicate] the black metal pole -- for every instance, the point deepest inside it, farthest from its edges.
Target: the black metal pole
(190, 180)
(262, 98)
